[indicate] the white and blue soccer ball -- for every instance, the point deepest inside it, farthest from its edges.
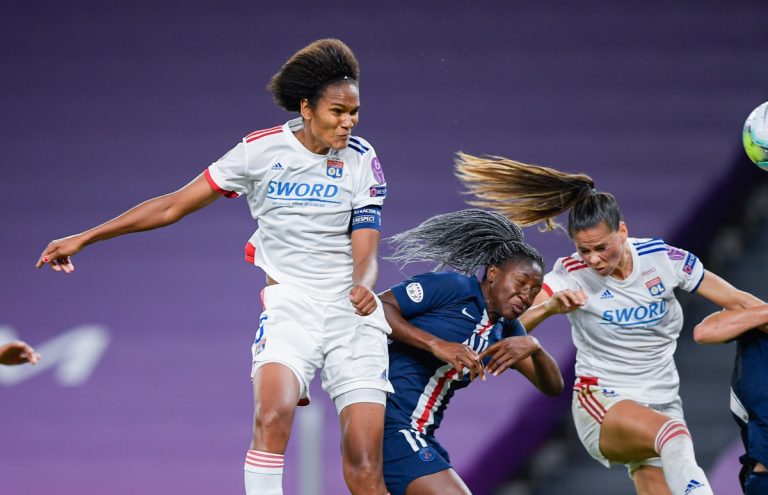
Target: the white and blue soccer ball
(755, 136)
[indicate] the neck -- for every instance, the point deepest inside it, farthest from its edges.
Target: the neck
(309, 142)
(625, 265)
(493, 316)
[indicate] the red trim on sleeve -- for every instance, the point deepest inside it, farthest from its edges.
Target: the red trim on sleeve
(215, 187)
(250, 252)
(263, 132)
(547, 289)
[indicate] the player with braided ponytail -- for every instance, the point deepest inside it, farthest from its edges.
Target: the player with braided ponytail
(618, 294)
(450, 327)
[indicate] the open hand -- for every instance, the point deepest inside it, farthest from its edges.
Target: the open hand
(58, 252)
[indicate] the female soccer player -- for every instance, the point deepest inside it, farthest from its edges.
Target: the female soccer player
(749, 395)
(445, 322)
(316, 191)
(625, 320)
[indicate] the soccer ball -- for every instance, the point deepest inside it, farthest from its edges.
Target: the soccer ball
(755, 136)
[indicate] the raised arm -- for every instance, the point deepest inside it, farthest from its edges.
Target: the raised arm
(728, 324)
(151, 214)
(457, 355)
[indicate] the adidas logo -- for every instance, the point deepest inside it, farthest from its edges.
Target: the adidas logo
(277, 166)
(606, 294)
(692, 485)
(383, 375)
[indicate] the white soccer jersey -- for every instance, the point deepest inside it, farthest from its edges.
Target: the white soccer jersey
(626, 333)
(303, 203)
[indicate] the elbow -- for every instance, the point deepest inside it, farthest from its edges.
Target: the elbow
(702, 334)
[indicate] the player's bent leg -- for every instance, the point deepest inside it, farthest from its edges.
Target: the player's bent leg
(628, 432)
(445, 482)
(632, 432)
(276, 392)
(649, 480)
(362, 433)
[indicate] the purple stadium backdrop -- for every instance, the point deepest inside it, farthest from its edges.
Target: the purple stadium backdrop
(144, 387)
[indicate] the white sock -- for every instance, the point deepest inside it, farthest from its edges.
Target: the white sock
(263, 473)
(675, 447)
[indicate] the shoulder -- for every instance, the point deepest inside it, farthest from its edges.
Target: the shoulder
(432, 283)
(453, 280)
(269, 134)
(569, 265)
(648, 245)
(359, 145)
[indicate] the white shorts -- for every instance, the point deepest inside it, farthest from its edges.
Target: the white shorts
(590, 403)
(305, 333)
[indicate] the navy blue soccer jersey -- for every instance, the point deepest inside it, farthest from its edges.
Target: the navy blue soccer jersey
(749, 384)
(452, 307)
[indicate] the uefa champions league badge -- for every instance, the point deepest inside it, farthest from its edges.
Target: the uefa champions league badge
(675, 254)
(655, 287)
(378, 172)
(334, 168)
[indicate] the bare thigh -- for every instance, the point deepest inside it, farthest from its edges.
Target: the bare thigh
(628, 432)
(445, 482)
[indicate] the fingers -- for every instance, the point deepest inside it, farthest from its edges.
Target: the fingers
(53, 255)
(467, 358)
(568, 300)
(363, 300)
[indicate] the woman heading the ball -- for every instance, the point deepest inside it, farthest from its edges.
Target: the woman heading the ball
(450, 327)
(316, 191)
(617, 292)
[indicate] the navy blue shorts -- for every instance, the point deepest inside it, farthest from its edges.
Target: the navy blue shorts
(408, 455)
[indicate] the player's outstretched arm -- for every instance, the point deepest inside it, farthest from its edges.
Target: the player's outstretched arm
(725, 295)
(151, 214)
(728, 324)
(457, 355)
(544, 306)
(18, 352)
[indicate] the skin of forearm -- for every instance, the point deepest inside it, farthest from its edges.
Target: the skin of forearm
(729, 324)
(365, 272)
(534, 316)
(151, 214)
(547, 373)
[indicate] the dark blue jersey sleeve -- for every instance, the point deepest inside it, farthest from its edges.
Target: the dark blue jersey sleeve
(514, 329)
(420, 294)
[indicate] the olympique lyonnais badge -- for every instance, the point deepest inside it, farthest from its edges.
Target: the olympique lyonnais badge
(655, 286)
(335, 168)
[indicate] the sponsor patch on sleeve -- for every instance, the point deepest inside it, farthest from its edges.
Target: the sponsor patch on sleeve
(378, 191)
(690, 262)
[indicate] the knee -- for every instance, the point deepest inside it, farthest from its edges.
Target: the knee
(273, 420)
(363, 467)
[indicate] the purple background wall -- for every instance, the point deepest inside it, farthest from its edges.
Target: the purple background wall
(109, 103)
